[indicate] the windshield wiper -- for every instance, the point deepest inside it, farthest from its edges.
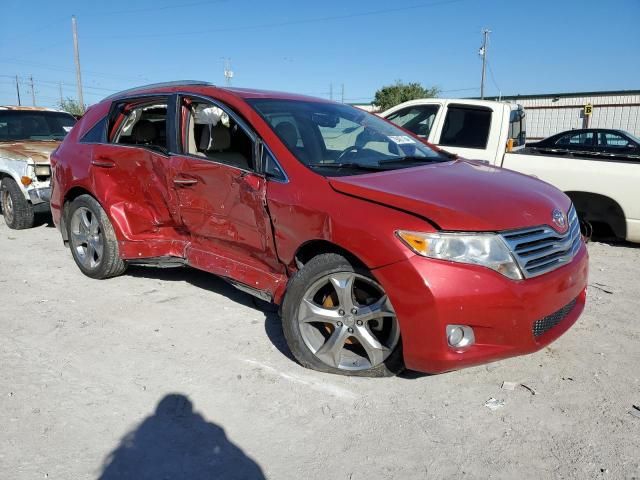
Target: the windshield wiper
(409, 159)
(352, 165)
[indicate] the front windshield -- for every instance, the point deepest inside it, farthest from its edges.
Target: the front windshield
(337, 139)
(34, 125)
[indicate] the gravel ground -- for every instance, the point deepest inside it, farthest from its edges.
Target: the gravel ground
(173, 374)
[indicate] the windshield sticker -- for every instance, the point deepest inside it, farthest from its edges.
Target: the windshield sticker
(67, 129)
(401, 139)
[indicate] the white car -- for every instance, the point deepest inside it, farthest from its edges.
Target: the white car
(604, 190)
(28, 135)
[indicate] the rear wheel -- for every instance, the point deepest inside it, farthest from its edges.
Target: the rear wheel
(338, 319)
(17, 210)
(92, 240)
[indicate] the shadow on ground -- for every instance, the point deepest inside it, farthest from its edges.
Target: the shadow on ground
(208, 281)
(177, 442)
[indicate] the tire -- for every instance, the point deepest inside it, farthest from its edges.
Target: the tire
(337, 319)
(17, 210)
(92, 240)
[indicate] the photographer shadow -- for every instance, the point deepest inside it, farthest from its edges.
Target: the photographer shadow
(174, 443)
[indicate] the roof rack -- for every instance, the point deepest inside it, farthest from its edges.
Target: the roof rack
(176, 83)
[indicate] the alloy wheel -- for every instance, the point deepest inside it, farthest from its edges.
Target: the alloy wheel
(87, 238)
(347, 321)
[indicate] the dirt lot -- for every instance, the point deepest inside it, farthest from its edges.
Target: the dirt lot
(173, 374)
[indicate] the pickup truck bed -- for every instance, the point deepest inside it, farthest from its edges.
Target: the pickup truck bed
(605, 190)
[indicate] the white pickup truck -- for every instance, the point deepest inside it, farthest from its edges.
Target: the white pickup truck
(28, 135)
(604, 190)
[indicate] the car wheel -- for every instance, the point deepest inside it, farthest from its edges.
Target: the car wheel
(17, 210)
(92, 240)
(338, 319)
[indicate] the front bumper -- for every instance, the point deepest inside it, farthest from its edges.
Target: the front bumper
(39, 195)
(428, 295)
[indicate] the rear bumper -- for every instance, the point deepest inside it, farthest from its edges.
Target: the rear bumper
(428, 295)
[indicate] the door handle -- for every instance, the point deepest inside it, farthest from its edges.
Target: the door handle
(184, 181)
(103, 162)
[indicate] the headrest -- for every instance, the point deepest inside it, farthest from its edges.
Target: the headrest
(144, 131)
(288, 133)
(216, 139)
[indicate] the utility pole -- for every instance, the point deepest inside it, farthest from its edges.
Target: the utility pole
(483, 54)
(61, 97)
(76, 53)
(33, 93)
(331, 91)
(18, 91)
(342, 94)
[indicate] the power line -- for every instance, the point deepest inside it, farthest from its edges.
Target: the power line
(493, 79)
(166, 7)
(282, 24)
(68, 70)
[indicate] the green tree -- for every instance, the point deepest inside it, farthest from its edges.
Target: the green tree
(71, 106)
(392, 95)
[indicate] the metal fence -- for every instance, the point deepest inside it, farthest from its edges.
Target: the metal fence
(550, 114)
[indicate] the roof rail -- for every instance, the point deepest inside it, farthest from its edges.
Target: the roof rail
(158, 85)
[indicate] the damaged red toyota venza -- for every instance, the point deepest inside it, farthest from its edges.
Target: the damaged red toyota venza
(381, 250)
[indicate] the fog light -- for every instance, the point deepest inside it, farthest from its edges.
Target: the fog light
(460, 336)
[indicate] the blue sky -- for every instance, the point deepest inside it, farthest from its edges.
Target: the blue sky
(299, 46)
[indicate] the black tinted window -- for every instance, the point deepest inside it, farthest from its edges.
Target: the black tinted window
(580, 139)
(466, 127)
(612, 140)
(96, 134)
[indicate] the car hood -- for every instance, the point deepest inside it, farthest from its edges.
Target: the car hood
(461, 195)
(39, 151)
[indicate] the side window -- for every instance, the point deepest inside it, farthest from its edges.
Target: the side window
(418, 119)
(272, 168)
(213, 134)
(517, 128)
(96, 133)
(141, 124)
(576, 140)
(612, 140)
(466, 127)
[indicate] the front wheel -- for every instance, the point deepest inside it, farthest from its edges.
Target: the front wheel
(92, 239)
(338, 319)
(17, 210)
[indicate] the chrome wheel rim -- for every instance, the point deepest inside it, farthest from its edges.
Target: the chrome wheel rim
(347, 321)
(7, 206)
(86, 236)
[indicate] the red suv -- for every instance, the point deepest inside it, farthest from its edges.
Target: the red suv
(381, 250)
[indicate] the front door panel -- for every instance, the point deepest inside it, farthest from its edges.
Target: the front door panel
(223, 210)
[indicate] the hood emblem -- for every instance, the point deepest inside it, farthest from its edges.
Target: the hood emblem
(559, 218)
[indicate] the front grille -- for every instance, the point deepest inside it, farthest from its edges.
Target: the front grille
(541, 249)
(550, 321)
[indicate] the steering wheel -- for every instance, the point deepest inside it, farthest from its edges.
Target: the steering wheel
(349, 150)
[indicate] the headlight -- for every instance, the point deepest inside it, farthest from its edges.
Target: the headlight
(486, 249)
(43, 171)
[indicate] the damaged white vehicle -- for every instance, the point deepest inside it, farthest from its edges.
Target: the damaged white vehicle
(28, 135)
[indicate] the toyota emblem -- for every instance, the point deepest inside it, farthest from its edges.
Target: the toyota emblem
(558, 218)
